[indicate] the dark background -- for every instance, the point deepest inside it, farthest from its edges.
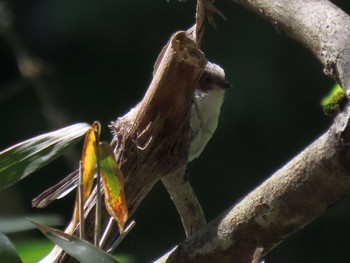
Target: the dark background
(99, 57)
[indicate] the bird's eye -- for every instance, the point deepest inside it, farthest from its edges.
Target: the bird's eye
(206, 79)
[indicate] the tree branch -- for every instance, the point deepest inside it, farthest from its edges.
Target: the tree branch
(290, 199)
(186, 202)
(314, 180)
(151, 141)
(178, 187)
(318, 25)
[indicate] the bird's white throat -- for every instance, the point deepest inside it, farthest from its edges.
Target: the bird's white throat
(204, 119)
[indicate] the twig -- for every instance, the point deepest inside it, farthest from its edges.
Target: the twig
(186, 202)
(205, 9)
(98, 213)
(81, 204)
(106, 232)
(121, 237)
(199, 26)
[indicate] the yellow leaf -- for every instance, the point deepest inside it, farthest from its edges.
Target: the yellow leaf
(113, 183)
(89, 158)
(87, 169)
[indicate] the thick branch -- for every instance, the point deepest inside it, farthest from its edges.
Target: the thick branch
(293, 197)
(318, 25)
(316, 179)
(151, 141)
(147, 148)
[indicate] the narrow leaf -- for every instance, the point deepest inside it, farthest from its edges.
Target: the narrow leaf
(58, 191)
(81, 250)
(121, 237)
(86, 175)
(89, 158)
(113, 183)
(8, 252)
(26, 157)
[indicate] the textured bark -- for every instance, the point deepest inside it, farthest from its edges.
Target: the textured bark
(318, 25)
(151, 141)
(149, 146)
(186, 203)
(314, 180)
(290, 199)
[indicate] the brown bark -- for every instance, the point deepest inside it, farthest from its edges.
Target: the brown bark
(294, 196)
(151, 141)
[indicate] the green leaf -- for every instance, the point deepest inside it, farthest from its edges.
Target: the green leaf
(81, 250)
(113, 183)
(8, 252)
(26, 157)
(334, 102)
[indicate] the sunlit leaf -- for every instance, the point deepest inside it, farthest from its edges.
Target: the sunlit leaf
(334, 102)
(113, 183)
(8, 252)
(26, 157)
(87, 170)
(60, 190)
(89, 158)
(81, 250)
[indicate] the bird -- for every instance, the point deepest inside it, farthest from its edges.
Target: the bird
(206, 107)
(205, 112)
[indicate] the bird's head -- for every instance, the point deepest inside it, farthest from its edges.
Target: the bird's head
(213, 78)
